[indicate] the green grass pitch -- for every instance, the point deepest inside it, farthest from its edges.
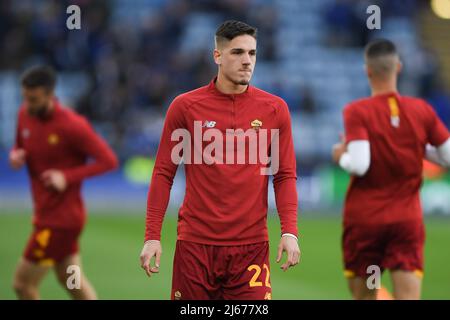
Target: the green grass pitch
(111, 244)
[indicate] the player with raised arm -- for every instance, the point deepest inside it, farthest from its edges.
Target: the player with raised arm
(387, 136)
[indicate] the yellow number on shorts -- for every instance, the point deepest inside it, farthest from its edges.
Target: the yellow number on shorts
(253, 282)
(43, 237)
(267, 275)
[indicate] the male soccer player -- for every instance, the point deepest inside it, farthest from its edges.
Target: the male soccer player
(222, 249)
(386, 138)
(55, 144)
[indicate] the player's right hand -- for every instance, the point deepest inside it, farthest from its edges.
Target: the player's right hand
(289, 245)
(17, 158)
(152, 248)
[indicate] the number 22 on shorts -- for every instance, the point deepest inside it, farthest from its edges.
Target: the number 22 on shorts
(254, 280)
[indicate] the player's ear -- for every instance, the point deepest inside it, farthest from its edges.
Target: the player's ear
(217, 57)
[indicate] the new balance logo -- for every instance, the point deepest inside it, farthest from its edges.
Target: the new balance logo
(209, 124)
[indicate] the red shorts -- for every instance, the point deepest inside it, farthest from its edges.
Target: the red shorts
(47, 246)
(202, 272)
(397, 246)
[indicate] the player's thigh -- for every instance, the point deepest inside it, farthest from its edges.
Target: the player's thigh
(360, 290)
(407, 285)
(70, 266)
(249, 273)
(29, 273)
(71, 276)
(193, 275)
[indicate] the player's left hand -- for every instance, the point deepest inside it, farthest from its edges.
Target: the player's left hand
(54, 179)
(290, 245)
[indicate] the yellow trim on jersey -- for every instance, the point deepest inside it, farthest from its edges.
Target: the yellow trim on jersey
(43, 237)
(349, 274)
(46, 262)
(393, 105)
(38, 253)
(418, 273)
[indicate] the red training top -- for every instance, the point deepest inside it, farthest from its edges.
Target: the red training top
(224, 204)
(398, 129)
(64, 141)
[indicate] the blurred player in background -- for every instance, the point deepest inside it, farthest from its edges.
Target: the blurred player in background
(55, 144)
(222, 250)
(387, 136)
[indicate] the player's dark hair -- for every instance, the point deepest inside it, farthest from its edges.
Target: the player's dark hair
(230, 29)
(39, 76)
(379, 47)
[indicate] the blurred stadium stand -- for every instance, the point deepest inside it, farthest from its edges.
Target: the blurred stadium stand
(131, 58)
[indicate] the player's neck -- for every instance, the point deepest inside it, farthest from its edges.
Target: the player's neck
(227, 87)
(383, 87)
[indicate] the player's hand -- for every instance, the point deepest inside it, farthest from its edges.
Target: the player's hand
(152, 248)
(17, 158)
(290, 246)
(339, 149)
(54, 179)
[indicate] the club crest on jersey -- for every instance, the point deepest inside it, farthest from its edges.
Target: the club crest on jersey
(177, 295)
(256, 124)
(53, 139)
(25, 133)
(209, 124)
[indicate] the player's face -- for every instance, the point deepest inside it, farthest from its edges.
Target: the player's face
(237, 58)
(37, 100)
